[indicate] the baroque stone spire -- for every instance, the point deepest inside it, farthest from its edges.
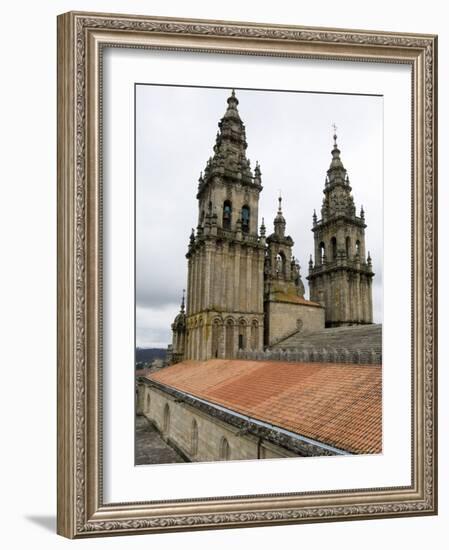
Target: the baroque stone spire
(279, 221)
(341, 275)
(338, 199)
(229, 161)
(223, 313)
(282, 271)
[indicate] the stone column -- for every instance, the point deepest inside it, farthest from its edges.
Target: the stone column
(192, 343)
(350, 299)
(197, 343)
(229, 272)
(346, 301)
(208, 328)
(317, 251)
(362, 248)
(362, 299)
(189, 286)
(260, 335)
(221, 341)
(207, 275)
(201, 279)
(260, 289)
(224, 277)
(248, 335)
(370, 300)
(236, 338)
(217, 289)
(358, 300)
(251, 288)
(236, 280)
(195, 283)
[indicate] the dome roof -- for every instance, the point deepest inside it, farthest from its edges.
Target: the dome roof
(180, 319)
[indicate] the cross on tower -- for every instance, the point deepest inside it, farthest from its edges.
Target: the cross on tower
(334, 126)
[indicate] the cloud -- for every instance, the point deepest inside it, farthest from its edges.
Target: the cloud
(153, 325)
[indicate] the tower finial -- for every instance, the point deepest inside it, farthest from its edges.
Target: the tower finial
(279, 220)
(183, 301)
(262, 228)
(232, 99)
(334, 126)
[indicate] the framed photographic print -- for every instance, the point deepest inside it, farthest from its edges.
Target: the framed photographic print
(247, 274)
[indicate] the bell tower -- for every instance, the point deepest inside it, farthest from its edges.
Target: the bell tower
(282, 271)
(226, 254)
(340, 275)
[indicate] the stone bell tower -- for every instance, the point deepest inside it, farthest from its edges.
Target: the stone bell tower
(286, 309)
(340, 276)
(226, 254)
(282, 271)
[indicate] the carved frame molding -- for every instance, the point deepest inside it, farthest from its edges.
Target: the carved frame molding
(81, 37)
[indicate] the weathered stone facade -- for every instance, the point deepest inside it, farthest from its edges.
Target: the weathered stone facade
(286, 310)
(244, 290)
(289, 317)
(226, 255)
(340, 277)
(199, 432)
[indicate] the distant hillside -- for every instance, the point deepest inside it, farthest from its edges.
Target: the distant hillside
(145, 355)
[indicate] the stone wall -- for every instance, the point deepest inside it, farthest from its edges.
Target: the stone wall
(200, 437)
(225, 287)
(213, 334)
(284, 318)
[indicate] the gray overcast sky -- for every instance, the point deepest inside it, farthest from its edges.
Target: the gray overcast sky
(289, 133)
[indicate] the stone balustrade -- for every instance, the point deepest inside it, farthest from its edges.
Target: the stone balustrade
(317, 355)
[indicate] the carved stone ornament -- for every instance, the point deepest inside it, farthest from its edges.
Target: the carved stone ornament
(81, 39)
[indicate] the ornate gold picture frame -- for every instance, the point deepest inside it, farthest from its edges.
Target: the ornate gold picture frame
(82, 40)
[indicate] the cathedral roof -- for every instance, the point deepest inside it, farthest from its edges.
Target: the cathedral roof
(290, 298)
(334, 403)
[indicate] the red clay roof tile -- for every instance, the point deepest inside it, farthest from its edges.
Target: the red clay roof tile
(337, 404)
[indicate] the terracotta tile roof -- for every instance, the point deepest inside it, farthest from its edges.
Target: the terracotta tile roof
(335, 403)
(293, 298)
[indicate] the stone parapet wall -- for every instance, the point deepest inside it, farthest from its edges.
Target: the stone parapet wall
(318, 355)
(198, 436)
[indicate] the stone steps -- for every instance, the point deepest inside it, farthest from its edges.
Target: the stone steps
(355, 338)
